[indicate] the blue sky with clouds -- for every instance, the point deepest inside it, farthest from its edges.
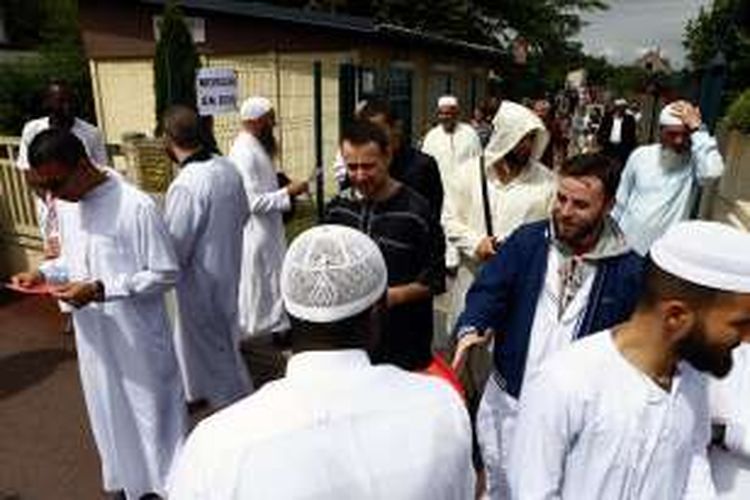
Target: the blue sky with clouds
(629, 27)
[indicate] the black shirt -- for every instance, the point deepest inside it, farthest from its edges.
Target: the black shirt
(408, 233)
(420, 172)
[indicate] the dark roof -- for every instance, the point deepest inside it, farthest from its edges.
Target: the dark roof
(335, 21)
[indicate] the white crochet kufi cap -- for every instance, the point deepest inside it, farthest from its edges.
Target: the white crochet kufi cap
(447, 101)
(666, 118)
(332, 272)
(255, 107)
(706, 253)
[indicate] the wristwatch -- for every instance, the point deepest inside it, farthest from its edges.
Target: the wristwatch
(99, 294)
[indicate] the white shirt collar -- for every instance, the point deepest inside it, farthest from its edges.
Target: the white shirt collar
(316, 363)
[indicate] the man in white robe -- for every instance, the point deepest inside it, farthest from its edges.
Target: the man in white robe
(730, 415)
(206, 210)
(261, 312)
(623, 414)
(336, 426)
(519, 190)
(452, 143)
(660, 182)
(119, 261)
(59, 104)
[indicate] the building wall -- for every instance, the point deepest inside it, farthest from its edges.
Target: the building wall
(125, 103)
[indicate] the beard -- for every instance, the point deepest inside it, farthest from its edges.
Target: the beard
(573, 235)
(702, 356)
(671, 159)
(268, 141)
(516, 161)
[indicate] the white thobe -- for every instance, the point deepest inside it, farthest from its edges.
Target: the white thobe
(550, 333)
(730, 468)
(527, 198)
(591, 426)
(89, 135)
(206, 211)
(131, 383)
(451, 150)
(335, 427)
(652, 197)
(260, 307)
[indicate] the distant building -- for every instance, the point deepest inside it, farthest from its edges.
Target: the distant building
(653, 61)
(273, 49)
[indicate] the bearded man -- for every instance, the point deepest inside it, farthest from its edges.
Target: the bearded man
(550, 283)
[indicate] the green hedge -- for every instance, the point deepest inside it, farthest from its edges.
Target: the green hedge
(738, 115)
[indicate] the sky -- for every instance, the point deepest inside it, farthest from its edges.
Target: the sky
(630, 27)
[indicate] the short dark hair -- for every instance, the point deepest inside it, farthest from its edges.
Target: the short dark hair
(56, 145)
(361, 132)
(660, 285)
(377, 107)
(348, 333)
(182, 126)
(595, 165)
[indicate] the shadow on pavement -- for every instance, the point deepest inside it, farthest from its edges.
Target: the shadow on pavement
(25, 369)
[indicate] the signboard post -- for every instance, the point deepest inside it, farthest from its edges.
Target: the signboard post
(216, 91)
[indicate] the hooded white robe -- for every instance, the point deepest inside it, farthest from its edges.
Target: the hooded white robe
(730, 404)
(129, 374)
(592, 426)
(206, 211)
(260, 307)
(527, 198)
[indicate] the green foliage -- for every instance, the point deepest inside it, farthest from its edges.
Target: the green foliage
(52, 27)
(722, 27)
(738, 115)
(175, 63)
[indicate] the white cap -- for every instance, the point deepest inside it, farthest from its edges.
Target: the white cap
(667, 119)
(705, 253)
(621, 102)
(447, 101)
(255, 107)
(330, 273)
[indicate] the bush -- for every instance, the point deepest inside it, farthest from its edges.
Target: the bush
(738, 115)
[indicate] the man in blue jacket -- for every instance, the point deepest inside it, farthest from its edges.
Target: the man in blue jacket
(550, 283)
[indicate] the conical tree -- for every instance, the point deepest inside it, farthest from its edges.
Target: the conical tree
(175, 63)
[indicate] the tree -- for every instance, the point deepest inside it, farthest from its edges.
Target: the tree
(721, 28)
(51, 27)
(175, 63)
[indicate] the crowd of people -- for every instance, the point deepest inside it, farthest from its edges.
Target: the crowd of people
(601, 326)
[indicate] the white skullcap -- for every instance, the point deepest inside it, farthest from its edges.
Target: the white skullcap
(448, 101)
(255, 107)
(706, 253)
(331, 273)
(667, 119)
(621, 102)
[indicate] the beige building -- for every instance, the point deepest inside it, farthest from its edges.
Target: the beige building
(273, 50)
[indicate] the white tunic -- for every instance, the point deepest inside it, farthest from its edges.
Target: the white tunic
(260, 306)
(592, 426)
(450, 150)
(335, 427)
(652, 196)
(206, 211)
(730, 404)
(128, 369)
(89, 135)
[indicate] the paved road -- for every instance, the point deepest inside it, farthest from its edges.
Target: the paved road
(46, 448)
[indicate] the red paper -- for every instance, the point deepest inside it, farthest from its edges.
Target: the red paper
(39, 289)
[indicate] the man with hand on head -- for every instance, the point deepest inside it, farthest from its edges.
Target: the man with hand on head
(205, 211)
(624, 413)
(659, 185)
(335, 426)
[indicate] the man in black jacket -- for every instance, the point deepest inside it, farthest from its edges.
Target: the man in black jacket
(617, 133)
(406, 229)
